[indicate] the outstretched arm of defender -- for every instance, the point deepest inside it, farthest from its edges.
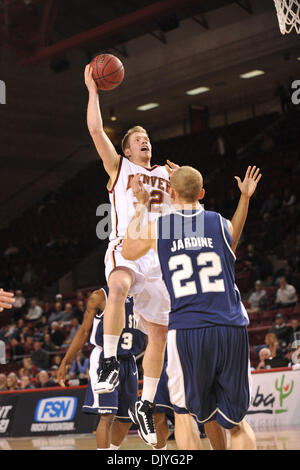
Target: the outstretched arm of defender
(6, 299)
(103, 144)
(247, 188)
(96, 301)
(139, 238)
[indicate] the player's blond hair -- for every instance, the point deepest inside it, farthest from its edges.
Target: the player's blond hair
(124, 142)
(188, 183)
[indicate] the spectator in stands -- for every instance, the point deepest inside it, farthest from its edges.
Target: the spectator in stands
(44, 381)
(295, 328)
(258, 298)
(18, 306)
(34, 311)
(47, 309)
(53, 373)
(282, 331)
(79, 310)
(56, 360)
(48, 344)
(3, 386)
(25, 383)
(272, 343)
(57, 315)
(42, 323)
(12, 332)
(39, 357)
(67, 313)
(12, 382)
(57, 335)
(17, 330)
(270, 206)
(264, 353)
(75, 327)
(28, 367)
(28, 345)
(59, 298)
(80, 368)
(286, 295)
(16, 350)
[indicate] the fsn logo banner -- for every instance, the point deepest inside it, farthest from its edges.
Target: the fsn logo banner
(2, 92)
(55, 409)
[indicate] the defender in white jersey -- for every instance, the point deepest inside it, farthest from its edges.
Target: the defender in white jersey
(140, 278)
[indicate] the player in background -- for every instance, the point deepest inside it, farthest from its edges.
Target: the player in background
(141, 278)
(114, 422)
(208, 348)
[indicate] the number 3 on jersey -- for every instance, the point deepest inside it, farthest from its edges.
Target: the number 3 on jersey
(206, 273)
(126, 339)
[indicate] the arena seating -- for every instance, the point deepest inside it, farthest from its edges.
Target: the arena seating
(73, 212)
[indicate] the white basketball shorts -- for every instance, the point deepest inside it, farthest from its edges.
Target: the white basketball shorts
(151, 298)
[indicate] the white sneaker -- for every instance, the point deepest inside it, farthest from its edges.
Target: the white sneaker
(142, 415)
(109, 376)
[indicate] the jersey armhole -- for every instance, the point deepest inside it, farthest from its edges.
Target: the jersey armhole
(226, 234)
(112, 183)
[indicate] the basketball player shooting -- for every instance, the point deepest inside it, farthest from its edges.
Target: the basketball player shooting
(141, 278)
(208, 348)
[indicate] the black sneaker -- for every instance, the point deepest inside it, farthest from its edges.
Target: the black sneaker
(141, 413)
(109, 376)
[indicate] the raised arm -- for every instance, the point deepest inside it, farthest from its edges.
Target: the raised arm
(139, 238)
(247, 188)
(103, 144)
(95, 302)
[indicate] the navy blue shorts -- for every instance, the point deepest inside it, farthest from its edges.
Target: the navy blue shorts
(162, 397)
(122, 398)
(208, 370)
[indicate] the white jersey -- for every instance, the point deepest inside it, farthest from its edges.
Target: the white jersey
(123, 202)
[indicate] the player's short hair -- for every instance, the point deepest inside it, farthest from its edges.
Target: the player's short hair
(124, 142)
(188, 183)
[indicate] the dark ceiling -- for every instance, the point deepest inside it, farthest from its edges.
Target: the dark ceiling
(35, 25)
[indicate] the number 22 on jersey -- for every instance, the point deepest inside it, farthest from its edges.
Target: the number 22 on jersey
(210, 267)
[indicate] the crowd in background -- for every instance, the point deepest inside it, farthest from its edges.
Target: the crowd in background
(36, 340)
(56, 230)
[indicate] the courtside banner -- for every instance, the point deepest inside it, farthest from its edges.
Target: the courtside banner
(8, 405)
(48, 412)
(275, 399)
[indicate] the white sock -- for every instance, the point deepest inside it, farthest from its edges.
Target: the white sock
(162, 448)
(112, 447)
(99, 448)
(149, 388)
(110, 345)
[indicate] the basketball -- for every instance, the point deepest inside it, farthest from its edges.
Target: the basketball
(108, 71)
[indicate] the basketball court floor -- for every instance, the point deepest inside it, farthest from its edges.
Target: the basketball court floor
(271, 439)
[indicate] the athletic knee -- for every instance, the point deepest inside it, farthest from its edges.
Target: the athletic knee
(158, 336)
(106, 420)
(235, 430)
(118, 290)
